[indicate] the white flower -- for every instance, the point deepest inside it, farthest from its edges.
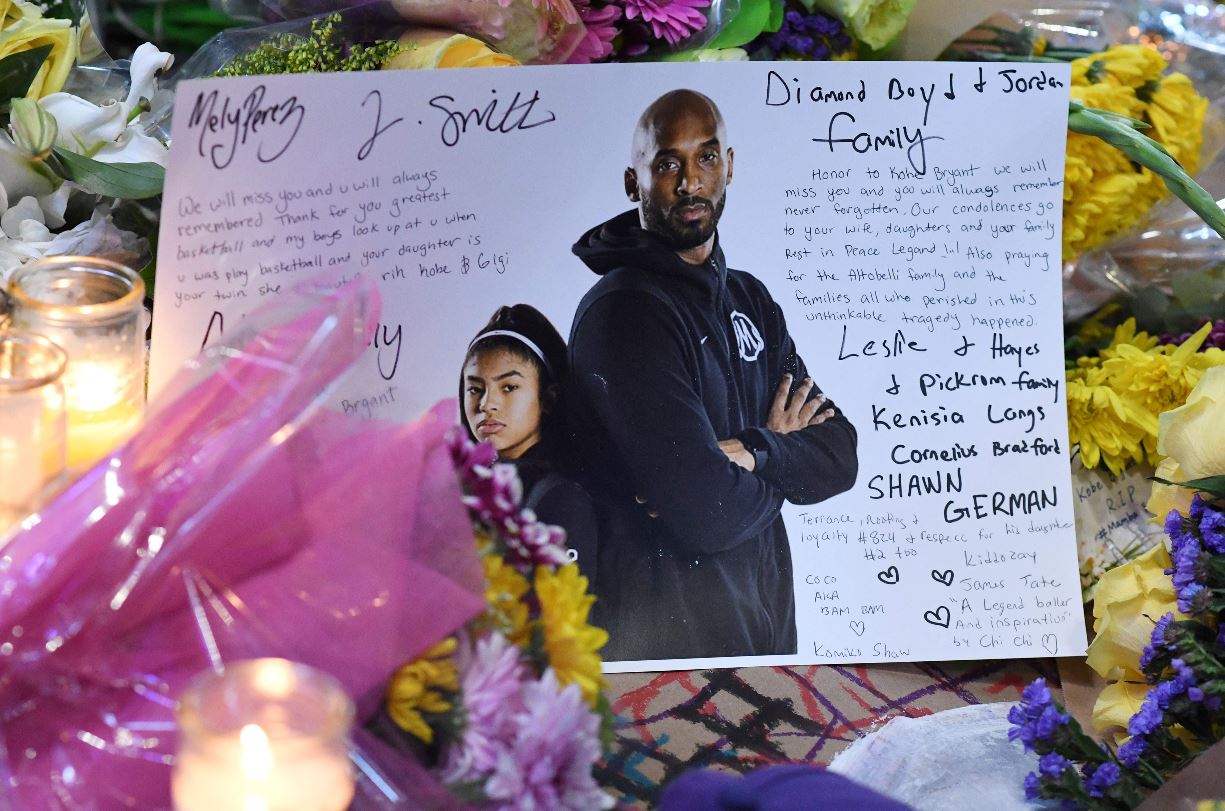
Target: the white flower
(112, 132)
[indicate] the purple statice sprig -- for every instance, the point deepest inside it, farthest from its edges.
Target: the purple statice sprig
(1072, 767)
(804, 35)
(493, 495)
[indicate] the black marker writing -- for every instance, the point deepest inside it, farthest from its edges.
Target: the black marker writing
(518, 116)
(364, 151)
(234, 124)
(895, 138)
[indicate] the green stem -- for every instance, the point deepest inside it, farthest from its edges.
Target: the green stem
(1120, 132)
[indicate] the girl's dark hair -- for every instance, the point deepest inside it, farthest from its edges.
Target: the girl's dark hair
(532, 324)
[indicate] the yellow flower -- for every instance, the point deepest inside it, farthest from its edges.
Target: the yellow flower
(1104, 193)
(1126, 605)
(1125, 335)
(1156, 380)
(1192, 438)
(33, 33)
(418, 688)
(571, 644)
(504, 592)
(1117, 703)
(13, 11)
(1102, 423)
(436, 48)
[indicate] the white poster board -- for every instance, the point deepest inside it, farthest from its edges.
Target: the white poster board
(904, 217)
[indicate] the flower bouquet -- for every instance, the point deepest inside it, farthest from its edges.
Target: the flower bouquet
(248, 519)
(76, 144)
(1141, 70)
(1159, 636)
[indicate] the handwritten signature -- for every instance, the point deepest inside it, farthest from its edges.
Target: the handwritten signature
(223, 131)
(518, 116)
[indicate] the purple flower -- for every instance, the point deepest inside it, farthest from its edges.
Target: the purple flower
(1197, 507)
(1053, 765)
(491, 677)
(548, 762)
(601, 30)
(670, 20)
(816, 36)
(1131, 750)
(1035, 719)
(1212, 529)
(1148, 717)
(1161, 640)
(1102, 778)
(1032, 785)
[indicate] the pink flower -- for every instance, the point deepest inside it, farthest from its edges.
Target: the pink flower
(562, 9)
(547, 765)
(596, 43)
(491, 678)
(670, 20)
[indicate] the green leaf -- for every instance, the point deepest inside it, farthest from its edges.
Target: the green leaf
(1209, 484)
(19, 69)
(1120, 132)
(127, 181)
(750, 20)
(777, 8)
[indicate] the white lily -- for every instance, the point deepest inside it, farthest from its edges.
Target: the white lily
(112, 132)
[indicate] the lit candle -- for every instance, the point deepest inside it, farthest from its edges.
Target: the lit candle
(31, 421)
(94, 309)
(265, 735)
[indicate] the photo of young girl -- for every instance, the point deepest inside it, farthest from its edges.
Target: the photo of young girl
(512, 395)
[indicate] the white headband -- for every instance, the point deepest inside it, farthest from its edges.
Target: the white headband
(523, 339)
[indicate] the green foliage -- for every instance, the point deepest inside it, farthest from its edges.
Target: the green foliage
(128, 181)
(18, 70)
(324, 51)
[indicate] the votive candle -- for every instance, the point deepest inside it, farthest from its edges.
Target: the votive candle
(263, 735)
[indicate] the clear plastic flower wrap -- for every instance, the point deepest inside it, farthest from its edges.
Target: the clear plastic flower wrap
(532, 31)
(1169, 240)
(246, 519)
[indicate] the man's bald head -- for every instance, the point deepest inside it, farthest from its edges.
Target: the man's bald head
(664, 111)
(680, 166)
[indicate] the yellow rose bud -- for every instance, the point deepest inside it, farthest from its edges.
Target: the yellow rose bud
(425, 48)
(1126, 605)
(34, 129)
(33, 33)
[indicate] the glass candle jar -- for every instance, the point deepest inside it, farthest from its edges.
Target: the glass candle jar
(94, 309)
(31, 421)
(264, 735)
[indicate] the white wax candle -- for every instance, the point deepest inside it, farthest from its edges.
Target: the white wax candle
(249, 771)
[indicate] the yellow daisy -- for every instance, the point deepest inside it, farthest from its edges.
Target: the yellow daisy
(570, 643)
(418, 688)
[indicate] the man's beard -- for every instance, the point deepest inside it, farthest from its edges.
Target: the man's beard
(681, 236)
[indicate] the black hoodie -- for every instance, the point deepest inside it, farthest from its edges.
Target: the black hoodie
(667, 359)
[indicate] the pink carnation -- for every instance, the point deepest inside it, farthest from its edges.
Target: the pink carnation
(596, 43)
(670, 20)
(548, 762)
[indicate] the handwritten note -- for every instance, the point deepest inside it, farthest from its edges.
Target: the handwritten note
(906, 222)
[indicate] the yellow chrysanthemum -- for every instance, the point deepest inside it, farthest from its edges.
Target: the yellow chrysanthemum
(1104, 193)
(1125, 334)
(504, 591)
(570, 643)
(1156, 380)
(1102, 423)
(418, 688)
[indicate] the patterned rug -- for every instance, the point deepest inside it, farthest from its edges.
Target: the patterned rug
(742, 718)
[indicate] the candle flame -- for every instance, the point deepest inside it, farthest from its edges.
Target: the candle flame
(256, 754)
(94, 386)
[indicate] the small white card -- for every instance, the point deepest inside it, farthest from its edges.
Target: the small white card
(900, 224)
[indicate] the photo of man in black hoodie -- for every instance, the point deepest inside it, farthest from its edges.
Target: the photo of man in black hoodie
(695, 415)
